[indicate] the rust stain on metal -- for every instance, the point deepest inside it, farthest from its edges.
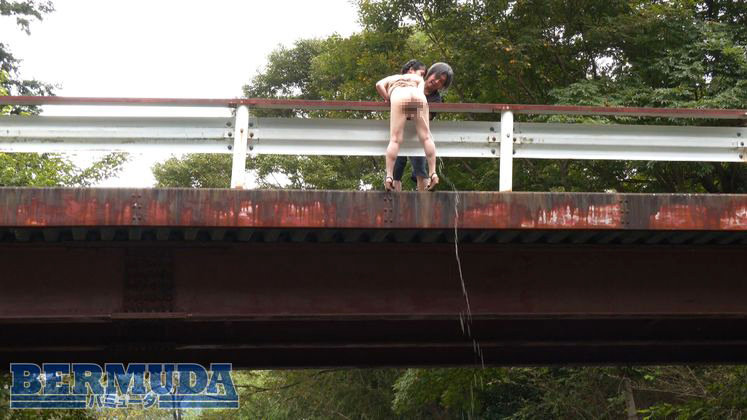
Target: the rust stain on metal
(247, 212)
(234, 211)
(38, 207)
(734, 219)
(683, 217)
(497, 215)
(560, 216)
(158, 211)
(312, 214)
(602, 216)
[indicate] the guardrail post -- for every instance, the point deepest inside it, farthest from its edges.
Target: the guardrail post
(241, 133)
(507, 151)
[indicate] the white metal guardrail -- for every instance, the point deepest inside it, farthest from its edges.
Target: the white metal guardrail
(366, 137)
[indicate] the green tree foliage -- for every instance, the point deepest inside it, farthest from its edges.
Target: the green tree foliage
(214, 171)
(678, 53)
(31, 169)
(586, 52)
(333, 68)
(49, 170)
(515, 393)
(194, 171)
(24, 12)
(696, 392)
(494, 393)
(683, 53)
(314, 394)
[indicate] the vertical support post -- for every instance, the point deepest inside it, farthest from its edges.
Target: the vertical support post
(240, 136)
(507, 151)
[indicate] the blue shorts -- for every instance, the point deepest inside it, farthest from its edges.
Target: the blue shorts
(418, 167)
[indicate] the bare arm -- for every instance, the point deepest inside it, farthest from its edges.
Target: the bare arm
(382, 86)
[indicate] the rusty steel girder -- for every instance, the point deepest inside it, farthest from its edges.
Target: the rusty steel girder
(97, 207)
(539, 291)
(371, 304)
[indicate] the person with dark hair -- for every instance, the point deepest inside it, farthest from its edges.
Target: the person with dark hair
(433, 86)
(414, 66)
(439, 77)
(405, 93)
(407, 101)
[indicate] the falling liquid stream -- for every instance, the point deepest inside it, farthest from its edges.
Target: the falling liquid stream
(464, 324)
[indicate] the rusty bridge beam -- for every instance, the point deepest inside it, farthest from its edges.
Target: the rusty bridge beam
(365, 304)
(97, 207)
(663, 280)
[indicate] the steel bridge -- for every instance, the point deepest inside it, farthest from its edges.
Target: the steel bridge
(266, 278)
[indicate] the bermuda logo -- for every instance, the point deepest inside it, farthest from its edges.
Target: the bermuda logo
(87, 385)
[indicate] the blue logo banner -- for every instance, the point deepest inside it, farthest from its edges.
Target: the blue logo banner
(115, 385)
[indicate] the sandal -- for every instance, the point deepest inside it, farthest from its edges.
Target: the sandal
(389, 183)
(432, 185)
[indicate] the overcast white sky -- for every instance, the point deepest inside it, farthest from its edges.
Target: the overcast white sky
(163, 49)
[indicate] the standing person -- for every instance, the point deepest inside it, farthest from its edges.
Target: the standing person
(405, 93)
(433, 85)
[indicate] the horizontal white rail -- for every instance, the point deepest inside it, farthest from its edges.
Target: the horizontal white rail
(370, 138)
(367, 137)
(629, 142)
(298, 136)
(305, 104)
(288, 136)
(114, 134)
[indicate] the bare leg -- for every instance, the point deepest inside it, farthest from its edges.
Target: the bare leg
(422, 127)
(397, 120)
(397, 185)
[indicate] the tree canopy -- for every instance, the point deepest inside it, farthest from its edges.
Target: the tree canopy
(45, 169)
(682, 53)
(678, 53)
(25, 12)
